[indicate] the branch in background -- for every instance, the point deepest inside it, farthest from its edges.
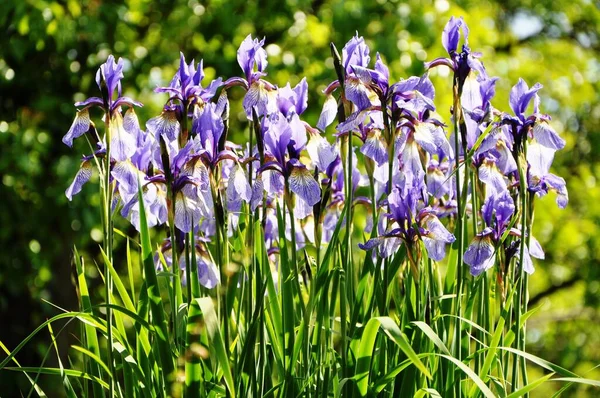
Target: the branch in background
(554, 288)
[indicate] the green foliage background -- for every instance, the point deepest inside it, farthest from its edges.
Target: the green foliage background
(50, 51)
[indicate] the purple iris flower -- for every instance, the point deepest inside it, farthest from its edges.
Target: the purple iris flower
(252, 58)
(462, 63)
(124, 129)
(282, 155)
(208, 273)
(541, 181)
(537, 125)
(411, 221)
(497, 212)
(185, 90)
(186, 85)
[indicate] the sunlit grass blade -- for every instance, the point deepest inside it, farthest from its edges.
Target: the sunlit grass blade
(432, 335)
(154, 297)
(530, 387)
(91, 338)
(95, 358)
(472, 375)
(366, 350)
(427, 392)
(57, 372)
(216, 340)
(70, 392)
(35, 386)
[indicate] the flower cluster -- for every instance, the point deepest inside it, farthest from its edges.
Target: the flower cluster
(194, 179)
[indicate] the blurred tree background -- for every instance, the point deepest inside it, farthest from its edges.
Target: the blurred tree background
(50, 51)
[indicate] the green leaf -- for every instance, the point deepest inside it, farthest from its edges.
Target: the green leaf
(366, 349)
(469, 372)
(66, 383)
(429, 332)
(216, 340)
(155, 300)
(529, 387)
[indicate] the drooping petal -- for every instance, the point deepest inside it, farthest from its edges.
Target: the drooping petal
(412, 161)
(527, 262)
(328, 113)
(257, 96)
(352, 122)
(83, 175)
(208, 273)
(132, 125)
(320, 151)
(240, 182)
(126, 175)
(302, 209)
(357, 92)
(122, 143)
(540, 159)
(436, 237)
(187, 211)
(166, 124)
(491, 176)
(558, 185)
(257, 193)
(303, 184)
(535, 249)
(273, 181)
(424, 136)
(375, 147)
(480, 254)
(81, 125)
(437, 182)
(546, 136)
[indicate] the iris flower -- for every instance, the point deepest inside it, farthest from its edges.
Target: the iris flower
(123, 128)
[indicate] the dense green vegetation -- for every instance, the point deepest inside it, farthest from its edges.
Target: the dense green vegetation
(50, 51)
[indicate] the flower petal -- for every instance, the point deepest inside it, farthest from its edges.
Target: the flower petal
(545, 135)
(375, 147)
(320, 151)
(480, 254)
(83, 175)
(303, 184)
(122, 143)
(81, 125)
(328, 113)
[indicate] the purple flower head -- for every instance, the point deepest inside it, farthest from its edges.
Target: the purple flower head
(108, 78)
(540, 180)
(451, 34)
(497, 212)
(355, 53)
(186, 85)
(282, 153)
(208, 273)
(293, 100)
(463, 62)
(411, 221)
(252, 58)
(521, 96)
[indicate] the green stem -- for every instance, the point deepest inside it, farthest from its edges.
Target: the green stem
(108, 248)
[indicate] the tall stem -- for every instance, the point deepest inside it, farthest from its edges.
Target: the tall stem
(108, 247)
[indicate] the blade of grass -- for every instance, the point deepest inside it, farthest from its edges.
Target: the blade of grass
(70, 392)
(216, 340)
(91, 339)
(366, 349)
(155, 299)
